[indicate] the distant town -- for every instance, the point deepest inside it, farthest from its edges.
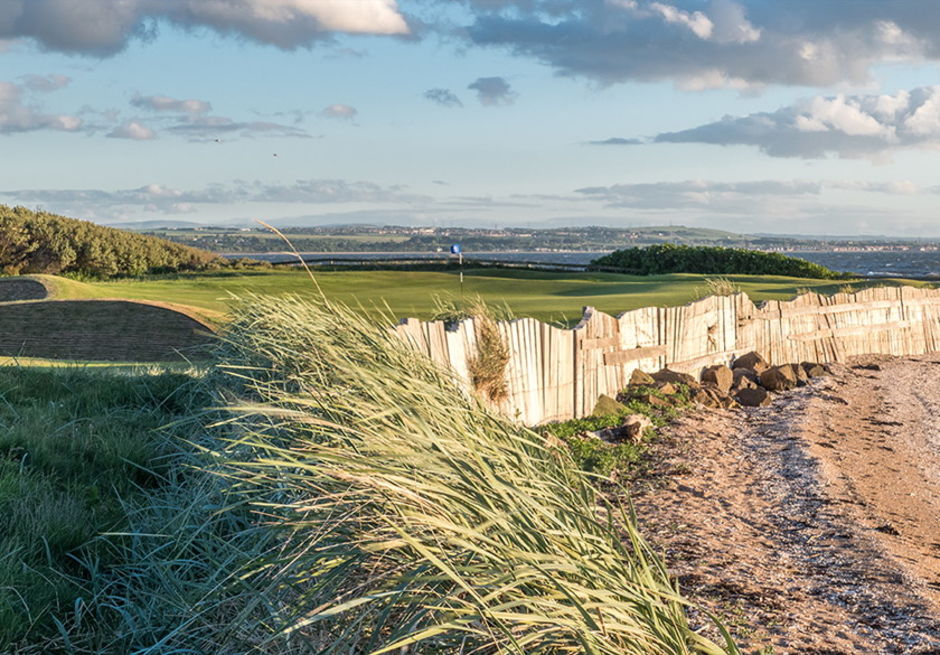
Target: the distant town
(392, 238)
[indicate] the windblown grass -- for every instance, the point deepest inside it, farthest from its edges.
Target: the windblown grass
(410, 517)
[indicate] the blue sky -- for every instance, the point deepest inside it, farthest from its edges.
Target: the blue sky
(798, 117)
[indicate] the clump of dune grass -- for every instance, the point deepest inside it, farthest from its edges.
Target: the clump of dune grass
(487, 367)
(410, 518)
(720, 286)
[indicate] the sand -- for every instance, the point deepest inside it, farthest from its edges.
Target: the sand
(813, 525)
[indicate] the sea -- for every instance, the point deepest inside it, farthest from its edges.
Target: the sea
(879, 263)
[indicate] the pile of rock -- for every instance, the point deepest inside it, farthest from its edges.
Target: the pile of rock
(747, 382)
(753, 378)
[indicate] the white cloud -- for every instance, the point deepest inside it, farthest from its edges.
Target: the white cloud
(705, 43)
(869, 126)
(209, 128)
(166, 103)
(339, 111)
(46, 83)
(134, 131)
(159, 198)
(731, 24)
(18, 116)
(104, 27)
(696, 21)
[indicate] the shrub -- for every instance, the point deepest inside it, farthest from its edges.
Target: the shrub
(598, 457)
(672, 258)
(39, 242)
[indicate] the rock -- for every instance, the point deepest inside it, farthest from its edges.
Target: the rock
(753, 397)
(814, 370)
(632, 429)
(752, 361)
(635, 426)
(779, 378)
(745, 378)
(705, 399)
(666, 388)
(719, 375)
(639, 378)
(651, 400)
(802, 379)
(607, 406)
(674, 377)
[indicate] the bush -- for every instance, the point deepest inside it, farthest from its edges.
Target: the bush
(39, 242)
(598, 457)
(672, 258)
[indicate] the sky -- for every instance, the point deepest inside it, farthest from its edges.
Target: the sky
(755, 116)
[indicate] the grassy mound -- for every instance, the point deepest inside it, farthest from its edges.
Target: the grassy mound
(672, 258)
(100, 330)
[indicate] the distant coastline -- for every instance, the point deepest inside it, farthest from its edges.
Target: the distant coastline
(872, 262)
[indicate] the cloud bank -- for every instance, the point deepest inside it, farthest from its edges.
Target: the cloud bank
(163, 199)
(710, 43)
(869, 126)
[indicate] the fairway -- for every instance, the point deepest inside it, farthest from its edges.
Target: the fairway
(548, 296)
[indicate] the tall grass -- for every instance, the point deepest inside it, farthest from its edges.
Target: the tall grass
(408, 518)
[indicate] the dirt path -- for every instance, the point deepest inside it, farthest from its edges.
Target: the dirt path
(813, 525)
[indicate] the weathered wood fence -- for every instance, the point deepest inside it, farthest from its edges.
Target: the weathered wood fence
(556, 374)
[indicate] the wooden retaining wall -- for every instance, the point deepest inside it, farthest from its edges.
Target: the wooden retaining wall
(556, 374)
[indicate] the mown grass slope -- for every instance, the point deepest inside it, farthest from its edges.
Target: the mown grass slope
(100, 330)
(547, 296)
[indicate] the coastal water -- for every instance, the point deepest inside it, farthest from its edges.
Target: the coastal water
(905, 263)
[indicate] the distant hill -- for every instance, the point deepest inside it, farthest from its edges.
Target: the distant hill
(156, 224)
(38, 242)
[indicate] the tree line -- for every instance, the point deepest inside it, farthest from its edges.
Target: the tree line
(40, 242)
(672, 258)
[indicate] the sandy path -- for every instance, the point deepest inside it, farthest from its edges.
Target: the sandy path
(813, 525)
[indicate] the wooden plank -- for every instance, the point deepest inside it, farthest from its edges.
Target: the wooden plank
(634, 354)
(841, 333)
(600, 342)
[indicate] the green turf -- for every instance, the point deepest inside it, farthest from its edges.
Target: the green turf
(76, 445)
(544, 295)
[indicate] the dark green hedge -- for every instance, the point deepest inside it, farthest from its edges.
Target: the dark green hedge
(38, 242)
(672, 258)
